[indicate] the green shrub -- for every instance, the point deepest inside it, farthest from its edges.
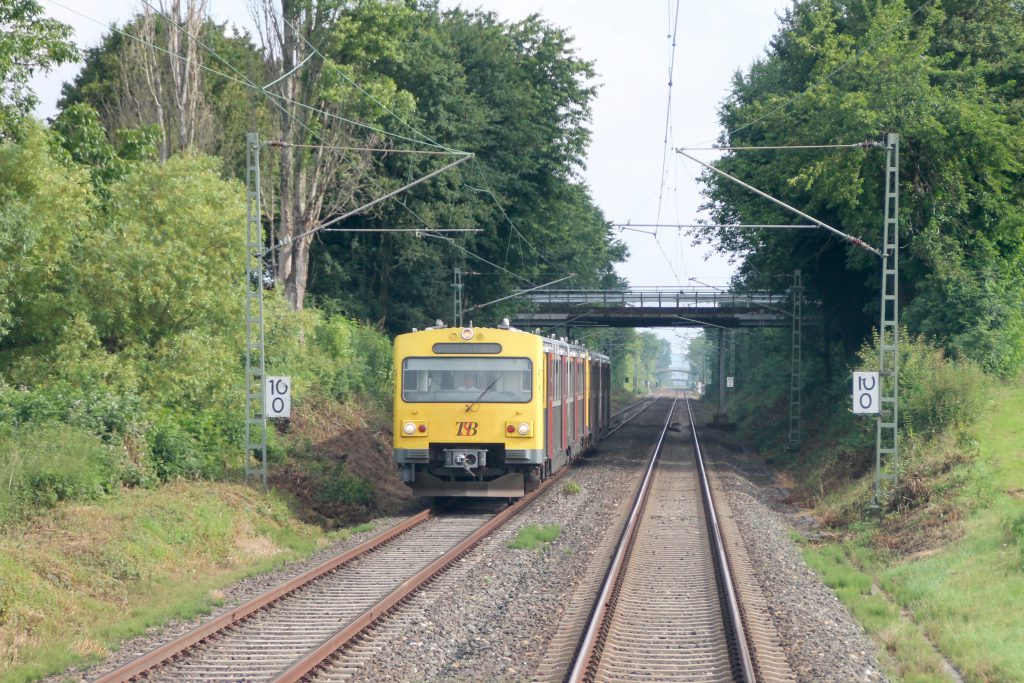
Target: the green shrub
(570, 488)
(95, 408)
(327, 354)
(344, 488)
(174, 453)
(939, 394)
(936, 393)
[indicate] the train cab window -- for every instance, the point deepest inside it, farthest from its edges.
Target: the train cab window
(463, 379)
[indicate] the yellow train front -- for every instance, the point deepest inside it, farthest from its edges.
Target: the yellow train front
(491, 412)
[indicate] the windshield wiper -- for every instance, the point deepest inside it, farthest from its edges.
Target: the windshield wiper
(490, 386)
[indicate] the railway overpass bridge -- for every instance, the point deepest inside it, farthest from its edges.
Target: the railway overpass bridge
(653, 307)
(572, 309)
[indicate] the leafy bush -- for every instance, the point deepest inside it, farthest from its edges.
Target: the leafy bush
(343, 488)
(42, 465)
(328, 354)
(936, 393)
(173, 452)
(121, 317)
(93, 408)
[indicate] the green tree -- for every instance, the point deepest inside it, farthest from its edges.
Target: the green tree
(46, 212)
(28, 41)
(230, 107)
(946, 77)
(517, 96)
(165, 256)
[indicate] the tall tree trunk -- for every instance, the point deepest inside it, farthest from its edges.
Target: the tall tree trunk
(309, 178)
(171, 81)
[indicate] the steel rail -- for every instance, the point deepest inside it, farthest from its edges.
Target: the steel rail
(641, 407)
(642, 401)
(585, 658)
(138, 667)
(735, 615)
(315, 659)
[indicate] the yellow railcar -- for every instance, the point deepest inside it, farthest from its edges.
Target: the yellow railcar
(491, 412)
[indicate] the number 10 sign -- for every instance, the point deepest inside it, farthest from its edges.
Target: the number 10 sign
(865, 392)
(278, 400)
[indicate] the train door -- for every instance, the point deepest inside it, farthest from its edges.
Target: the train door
(571, 433)
(588, 416)
(549, 404)
(581, 398)
(563, 377)
(606, 396)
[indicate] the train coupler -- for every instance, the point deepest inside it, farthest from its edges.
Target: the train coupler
(465, 458)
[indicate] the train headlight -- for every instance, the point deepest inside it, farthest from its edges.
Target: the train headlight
(414, 428)
(518, 429)
(467, 333)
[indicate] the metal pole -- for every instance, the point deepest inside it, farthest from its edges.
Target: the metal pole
(887, 432)
(721, 374)
(255, 357)
(795, 365)
(636, 370)
(457, 298)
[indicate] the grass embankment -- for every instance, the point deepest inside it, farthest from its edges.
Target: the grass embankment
(78, 579)
(951, 570)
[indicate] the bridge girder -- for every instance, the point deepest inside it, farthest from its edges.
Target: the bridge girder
(606, 316)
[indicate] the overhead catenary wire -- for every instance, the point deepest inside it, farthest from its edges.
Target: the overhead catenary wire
(455, 244)
(488, 191)
(867, 144)
(343, 148)
(348, 214)
(401, 229)
(668, 114)
(757, 226)
(849, 238)
(520, 293)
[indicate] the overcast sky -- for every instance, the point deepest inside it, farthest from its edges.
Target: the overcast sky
(630, 43)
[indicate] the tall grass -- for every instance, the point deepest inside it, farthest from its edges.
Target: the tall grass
(42, 465)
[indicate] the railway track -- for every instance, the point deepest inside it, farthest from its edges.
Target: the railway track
(291, 632)
(667, 608)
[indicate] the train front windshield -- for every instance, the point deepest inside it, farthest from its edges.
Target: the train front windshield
(463, 379)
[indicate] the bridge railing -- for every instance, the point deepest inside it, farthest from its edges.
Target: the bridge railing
(656, 298)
